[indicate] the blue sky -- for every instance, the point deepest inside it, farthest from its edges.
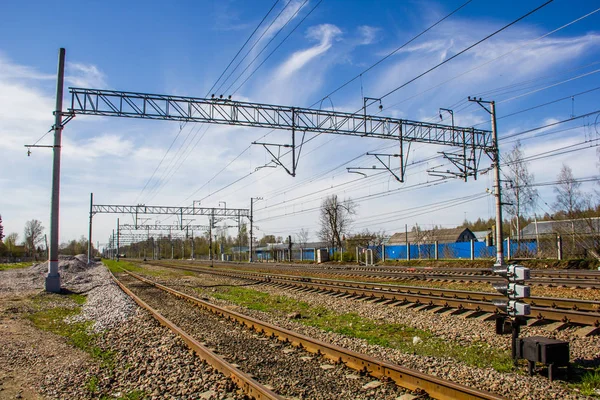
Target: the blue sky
(183, 47)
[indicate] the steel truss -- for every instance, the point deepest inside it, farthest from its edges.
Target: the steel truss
(295, 119)
(157, 227)
(179, 212)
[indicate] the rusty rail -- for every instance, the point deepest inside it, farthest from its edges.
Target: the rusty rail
(580, 279)
(251, 387)
(583, 312)
(436, 388)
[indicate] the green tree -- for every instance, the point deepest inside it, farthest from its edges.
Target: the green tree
(267, 239)
(33, 235)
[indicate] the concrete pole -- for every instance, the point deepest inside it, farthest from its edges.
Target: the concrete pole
(90, 229)
(118, 237)
(53, 278)
(193, 255)
(472, 249)
(113, 245)
(559, 247)
(210, 224)
(508, 248)
(497, 189)
(239, 240)
(407, 251)
(251, 228)
(436, 250)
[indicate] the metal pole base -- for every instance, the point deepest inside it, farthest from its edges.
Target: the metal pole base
(53, 279)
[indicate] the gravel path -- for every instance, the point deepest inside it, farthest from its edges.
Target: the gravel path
(288, 370)
(453, 328)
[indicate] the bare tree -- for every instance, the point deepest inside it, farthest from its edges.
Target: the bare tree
(336, 217)
(33, 235)
(519, 193)
(569, 197)
(302, 237)
(1, 230)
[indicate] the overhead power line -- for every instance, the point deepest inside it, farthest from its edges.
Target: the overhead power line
(466, 49)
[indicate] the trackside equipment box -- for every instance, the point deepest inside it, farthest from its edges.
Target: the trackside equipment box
(544, 350)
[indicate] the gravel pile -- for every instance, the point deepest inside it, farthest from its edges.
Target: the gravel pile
(453, 328)
(107, 305)
(287, 370)
(74, 272)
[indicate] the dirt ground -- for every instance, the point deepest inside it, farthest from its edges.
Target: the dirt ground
(29, 357)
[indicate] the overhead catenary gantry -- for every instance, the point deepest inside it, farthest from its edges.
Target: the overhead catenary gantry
(225, 111)
(138, 210)
(219, 110)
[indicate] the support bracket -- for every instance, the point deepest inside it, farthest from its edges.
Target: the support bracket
(277, 155)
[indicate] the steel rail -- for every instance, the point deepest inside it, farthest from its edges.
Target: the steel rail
(537, 273)
(428, 274)
(435, 387)
(479, 301)
(251, 387)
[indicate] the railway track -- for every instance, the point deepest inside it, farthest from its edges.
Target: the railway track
(160, 299)
(472, 304)
(582, 279)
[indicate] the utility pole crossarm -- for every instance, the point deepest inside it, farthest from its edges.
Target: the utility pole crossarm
(228, 112)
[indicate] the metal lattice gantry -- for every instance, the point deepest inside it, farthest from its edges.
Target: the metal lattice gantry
(214, 214)
(160, 227)
(142, 209)
(218, 110)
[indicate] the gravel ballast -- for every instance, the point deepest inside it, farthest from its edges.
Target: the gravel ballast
(452, 328)
(289, 371)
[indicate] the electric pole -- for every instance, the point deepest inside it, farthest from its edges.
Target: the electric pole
(252, 225)
(53, 278)
(497, 188)
(118, 235)
(90, 229)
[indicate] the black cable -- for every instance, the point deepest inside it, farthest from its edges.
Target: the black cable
(466, 49)
(244, 45)
(275, 49)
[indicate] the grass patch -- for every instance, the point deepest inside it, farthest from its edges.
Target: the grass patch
(18, 265)
(394, 336)
(118, 266)
(52, 319)
(92, 384)
(589, 385)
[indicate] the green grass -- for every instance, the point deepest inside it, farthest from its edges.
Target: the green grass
(117, 266)
(92, 384)
(4, 267)
(589, 385)
(52, 319)
(394, 336)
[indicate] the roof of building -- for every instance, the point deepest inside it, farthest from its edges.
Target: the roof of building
(295, 246)
(481, 235)
(451, 235)
(581, 226)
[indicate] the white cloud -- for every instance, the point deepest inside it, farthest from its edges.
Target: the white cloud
(84, 75)
(325, 34)
(367, 34)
